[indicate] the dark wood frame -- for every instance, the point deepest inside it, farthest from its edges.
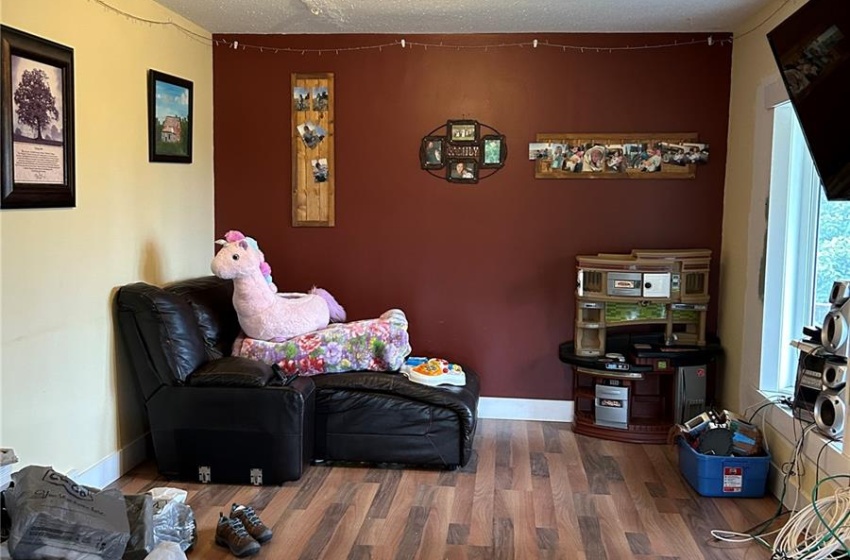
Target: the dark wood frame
(503, 151)
(154, 77)
(452, 162)
(450, 129)
(423, 152)
(29, 195)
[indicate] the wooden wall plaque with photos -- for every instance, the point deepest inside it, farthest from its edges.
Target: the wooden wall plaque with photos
(312, 100)
(673, 155)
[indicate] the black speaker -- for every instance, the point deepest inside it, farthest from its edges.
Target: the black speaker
(809, 384)
(829, 413)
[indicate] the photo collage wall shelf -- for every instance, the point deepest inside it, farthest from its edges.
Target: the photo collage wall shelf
(313, 150)
(463, 151)
(617, 156)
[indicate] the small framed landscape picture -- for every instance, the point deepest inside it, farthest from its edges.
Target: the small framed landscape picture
(169, 118)
(36, 122)
(495, 151)
(463, 131)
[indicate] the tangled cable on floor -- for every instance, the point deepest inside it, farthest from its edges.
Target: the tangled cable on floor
(819, 531)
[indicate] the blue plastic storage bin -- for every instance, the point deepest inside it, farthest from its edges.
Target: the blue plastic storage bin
(724, 477)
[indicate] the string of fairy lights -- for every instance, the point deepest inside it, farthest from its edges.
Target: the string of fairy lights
(405, 44)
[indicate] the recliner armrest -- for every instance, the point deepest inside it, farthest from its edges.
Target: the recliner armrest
(232, 371)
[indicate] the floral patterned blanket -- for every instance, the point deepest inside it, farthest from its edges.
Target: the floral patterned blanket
(379, 344)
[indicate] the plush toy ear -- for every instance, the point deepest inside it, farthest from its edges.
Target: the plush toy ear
(220, 242)
(244, 244)
(234, 235)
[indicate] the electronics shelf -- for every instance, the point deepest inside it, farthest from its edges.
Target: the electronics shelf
(641, 403)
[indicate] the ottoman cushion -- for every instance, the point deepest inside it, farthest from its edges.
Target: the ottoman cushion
(384, 417)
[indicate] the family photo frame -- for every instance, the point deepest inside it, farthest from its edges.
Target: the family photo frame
(170, 101)
(463, 151)
(667, 155)
(36, 122)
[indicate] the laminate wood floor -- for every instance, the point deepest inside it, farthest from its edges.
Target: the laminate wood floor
(531, 490)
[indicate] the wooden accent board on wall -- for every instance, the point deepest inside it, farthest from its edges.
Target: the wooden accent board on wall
(313, 150)
(618, 144)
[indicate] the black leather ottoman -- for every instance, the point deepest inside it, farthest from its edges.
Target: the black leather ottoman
(385, 418)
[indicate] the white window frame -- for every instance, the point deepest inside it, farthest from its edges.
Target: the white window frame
(791, 251)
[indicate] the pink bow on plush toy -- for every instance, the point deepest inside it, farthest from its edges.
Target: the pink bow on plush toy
(265, 314)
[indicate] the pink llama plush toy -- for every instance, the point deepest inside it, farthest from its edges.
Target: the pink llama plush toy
(263, 313)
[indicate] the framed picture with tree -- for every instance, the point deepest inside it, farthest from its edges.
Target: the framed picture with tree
(36, 122)
(169, 118)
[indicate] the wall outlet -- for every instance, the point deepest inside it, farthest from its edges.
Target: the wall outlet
(7, 456)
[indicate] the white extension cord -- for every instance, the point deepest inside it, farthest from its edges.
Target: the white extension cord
(807, 537)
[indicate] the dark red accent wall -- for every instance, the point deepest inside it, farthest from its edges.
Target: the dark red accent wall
(485, 273)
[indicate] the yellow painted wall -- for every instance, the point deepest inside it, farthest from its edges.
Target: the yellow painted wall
(747, 183)
(756, 84)
(64, 400)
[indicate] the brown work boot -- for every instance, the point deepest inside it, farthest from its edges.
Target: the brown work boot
(252, 523)
(230, 533)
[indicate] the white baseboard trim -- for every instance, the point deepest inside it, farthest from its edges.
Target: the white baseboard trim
(525, 409)
(114, 466)
(774, 486)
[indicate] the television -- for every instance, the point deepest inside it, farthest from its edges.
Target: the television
(812, 50)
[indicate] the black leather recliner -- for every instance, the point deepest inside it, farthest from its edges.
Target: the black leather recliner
(232, 415)
(213, 416)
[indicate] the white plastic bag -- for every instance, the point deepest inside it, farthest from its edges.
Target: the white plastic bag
(173, 520)
(164, 494)
(166, 551)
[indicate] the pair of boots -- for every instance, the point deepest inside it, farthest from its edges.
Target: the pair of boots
(242, 532)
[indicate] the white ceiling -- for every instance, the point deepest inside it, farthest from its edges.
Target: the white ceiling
(464, 16)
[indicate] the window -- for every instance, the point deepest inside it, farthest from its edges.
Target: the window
(808, 247)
